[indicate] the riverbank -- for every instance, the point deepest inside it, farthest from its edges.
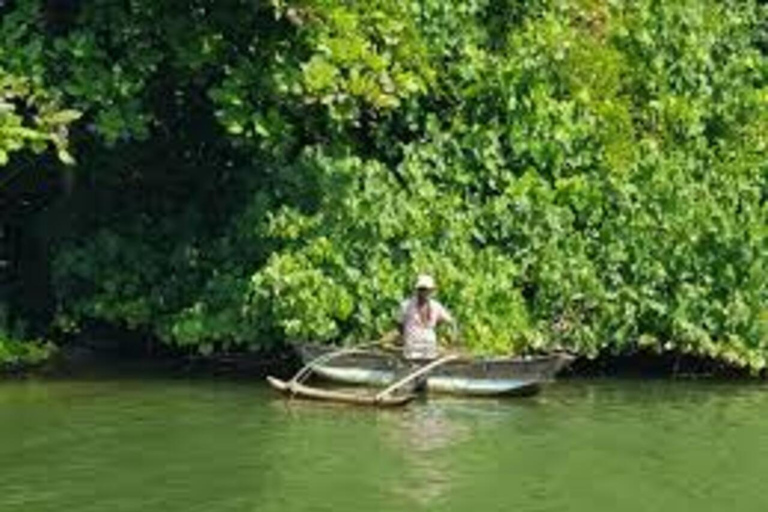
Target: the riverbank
(98, 357)
(660, 365)
(77, 362)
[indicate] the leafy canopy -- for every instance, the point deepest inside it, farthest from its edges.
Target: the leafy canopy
(580, 173)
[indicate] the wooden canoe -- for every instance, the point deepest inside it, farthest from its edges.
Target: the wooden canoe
(502, 376)
(293, 388)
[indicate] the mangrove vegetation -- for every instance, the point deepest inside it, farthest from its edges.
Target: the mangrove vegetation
(231, 174)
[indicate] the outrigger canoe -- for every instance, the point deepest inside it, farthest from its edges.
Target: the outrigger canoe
(495, 376)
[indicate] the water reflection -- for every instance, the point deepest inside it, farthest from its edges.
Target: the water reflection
(425, 435)
(420, 436)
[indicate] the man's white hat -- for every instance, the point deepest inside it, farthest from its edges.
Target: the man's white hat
(425, 281)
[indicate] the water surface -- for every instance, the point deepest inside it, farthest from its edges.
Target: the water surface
(131, 445)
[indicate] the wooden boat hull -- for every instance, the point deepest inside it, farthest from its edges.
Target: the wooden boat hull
(473, 377)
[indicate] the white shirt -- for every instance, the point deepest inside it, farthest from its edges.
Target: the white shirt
(419, 336)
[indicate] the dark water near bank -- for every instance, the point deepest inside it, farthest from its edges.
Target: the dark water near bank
(133, 445)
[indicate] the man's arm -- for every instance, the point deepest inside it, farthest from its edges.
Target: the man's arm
(444, 316)
(395, 336)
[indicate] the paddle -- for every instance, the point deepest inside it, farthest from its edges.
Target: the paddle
(414, 375)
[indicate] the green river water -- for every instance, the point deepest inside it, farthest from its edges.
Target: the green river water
(131, 445)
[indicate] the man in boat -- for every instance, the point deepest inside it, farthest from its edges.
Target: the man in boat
(418, 319)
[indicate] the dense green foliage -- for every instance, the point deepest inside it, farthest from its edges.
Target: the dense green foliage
(18, 352)
(585, 173)
(20, 98)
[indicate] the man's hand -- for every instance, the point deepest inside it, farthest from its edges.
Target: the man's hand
(454, 333)
(390, 340)
(452, 336)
